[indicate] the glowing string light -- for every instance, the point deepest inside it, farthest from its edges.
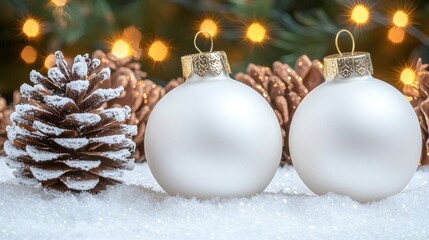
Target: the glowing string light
(121, 48)
(31, 27)
(256, 32)
(29, 54)
(400, 19)
(158, 51)
(49, 61)
(408, 76)
(59, 3)
(360, 14)
(210, 26)
(396, 35)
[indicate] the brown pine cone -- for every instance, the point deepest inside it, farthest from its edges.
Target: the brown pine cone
(284, 88)
(173, 84)
(418, 93)
(140, 94)
(62, 138)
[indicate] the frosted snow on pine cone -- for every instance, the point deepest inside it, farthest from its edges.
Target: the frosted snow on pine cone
(62, 138)
(284, 88)
(5, 112)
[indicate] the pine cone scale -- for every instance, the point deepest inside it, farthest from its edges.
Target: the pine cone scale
(54, 137)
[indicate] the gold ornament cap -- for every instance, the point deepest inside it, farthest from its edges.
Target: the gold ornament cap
(345, 64)
(203, 62)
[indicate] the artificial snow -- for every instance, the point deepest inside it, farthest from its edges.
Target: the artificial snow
(71, 143)
(80, 68)
(12, 151)
(82, 164)
(43, 174)
(85, 119)
(117, 114)
(104, 74)
(112, 139)
(140, 209)
(35, 77)
(105, 95)
(40, 155)
(95, 63)
(55, 74)
(130, 130)
(79, 184)
(47, 129)
(78, 85)
(116, 155)
(58, 101)
(26, 90)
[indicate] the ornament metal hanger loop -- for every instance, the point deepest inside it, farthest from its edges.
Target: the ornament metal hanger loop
(351, 36)
(195, 40)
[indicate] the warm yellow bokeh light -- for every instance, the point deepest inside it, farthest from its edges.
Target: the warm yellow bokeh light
(210, 26)
(408, 76)
(59, 3)
(256, 32)
(121, 48)
(49, 61)
(400, 19)
(29, 54)
(31, 27)
(396, 35)
(158, 51)
(360, 14)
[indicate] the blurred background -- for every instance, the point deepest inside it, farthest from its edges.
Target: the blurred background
(158, 32)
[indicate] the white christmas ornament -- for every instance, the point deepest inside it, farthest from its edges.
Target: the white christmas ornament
(355, 135)
(212, 136)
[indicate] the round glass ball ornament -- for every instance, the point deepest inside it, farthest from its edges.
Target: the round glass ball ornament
(355, 135)
(212, 136)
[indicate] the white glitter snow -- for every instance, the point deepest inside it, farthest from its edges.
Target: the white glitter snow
(78, 85)
(139, 209)
(47, 129)
(58, 101)
(117, 114)
(72, 143)
(80, 68)
(55, 74)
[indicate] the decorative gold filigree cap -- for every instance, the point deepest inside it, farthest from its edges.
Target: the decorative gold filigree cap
(203, 62)
(345, 64)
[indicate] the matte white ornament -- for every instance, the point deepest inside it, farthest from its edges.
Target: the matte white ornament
(212, 136)
(355, 135)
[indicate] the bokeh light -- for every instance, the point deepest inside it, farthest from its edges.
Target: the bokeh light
(408, 76)
(158, 51)
(210, 26)
(29, 54)
(256, 32)
(31, 27)
(59, 3)
(49, 61)
(400, 19)
(360, 14)
(396, 34)
(121, 48)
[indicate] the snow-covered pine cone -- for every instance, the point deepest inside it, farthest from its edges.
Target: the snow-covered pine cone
(284, 88)
(62, 138)
(140, 94)
(418, 94)
(5, 112)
